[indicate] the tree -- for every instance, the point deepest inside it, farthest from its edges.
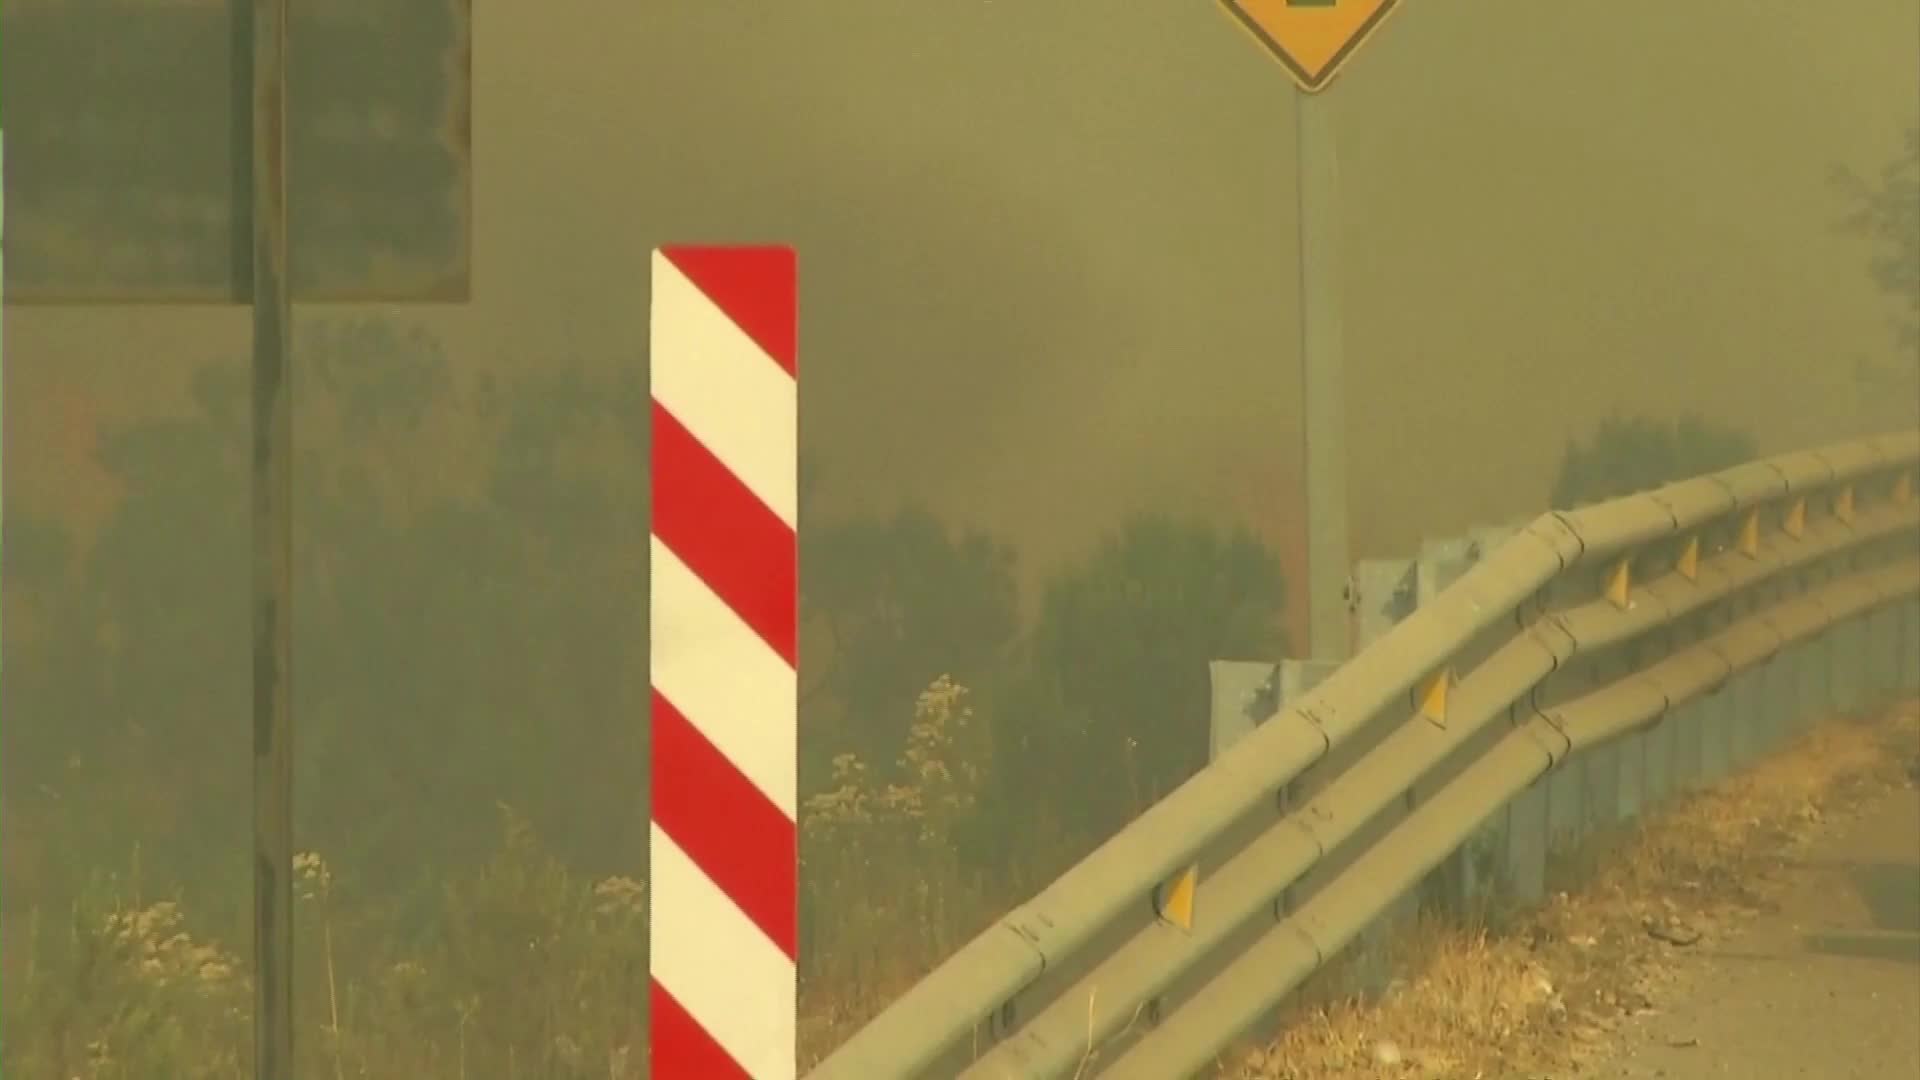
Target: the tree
(888, 605)
(1627, 455)
(470, 621)
(1887, 213)
(477, 637)
(137, 711)
(42, 620)
(38, 553)
(1115, 704)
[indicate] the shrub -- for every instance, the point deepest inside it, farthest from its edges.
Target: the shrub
(1628, 455)
(1113, 713)
(525, 963)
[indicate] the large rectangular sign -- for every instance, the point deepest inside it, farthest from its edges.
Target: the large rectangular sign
(131, 133)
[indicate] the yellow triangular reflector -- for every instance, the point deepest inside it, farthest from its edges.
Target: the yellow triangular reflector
(1750, 535)
(1176, 898)
(1795, 523)
(1903, 488)
(1843, 504)
(1620, 583)
(1431, 704)
(1689, 561)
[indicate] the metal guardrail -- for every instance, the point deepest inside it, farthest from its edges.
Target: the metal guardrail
(1652, 641)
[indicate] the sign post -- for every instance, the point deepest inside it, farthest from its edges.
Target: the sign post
(105, 213)
(3, 290)
(1322, 381)
(723, 569)
(1312, 39)
(272, 597)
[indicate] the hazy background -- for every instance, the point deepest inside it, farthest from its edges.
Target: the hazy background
(1048, 273)
(1048, 257)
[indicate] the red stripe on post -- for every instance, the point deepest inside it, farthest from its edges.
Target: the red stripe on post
(681, 1047)
(726, 826)
(724, 533)
(755, 287)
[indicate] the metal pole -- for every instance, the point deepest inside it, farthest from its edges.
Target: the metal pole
(3, 290)
(1323, 394)
(272, 556)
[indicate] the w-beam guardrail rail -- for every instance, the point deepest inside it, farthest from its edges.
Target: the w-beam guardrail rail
(1596, 661)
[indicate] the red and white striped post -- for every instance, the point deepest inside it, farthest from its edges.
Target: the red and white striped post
(724, 578)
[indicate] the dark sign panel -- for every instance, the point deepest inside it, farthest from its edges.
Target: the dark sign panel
(129, 141)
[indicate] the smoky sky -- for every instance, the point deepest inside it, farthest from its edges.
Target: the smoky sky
(1047, 247)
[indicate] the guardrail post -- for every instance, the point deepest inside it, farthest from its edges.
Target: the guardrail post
(1566, 785)
(1524, 860)
(1838, 652)
(1901, 640)
(1630, 774)
(1657, 780)
(1687, 722)
(1645, 769)
(1600, 788)
(1385, 592)
(1245, 692)
(1810, 667)
(1837, 675)
(1493, 846)
(1467, 878)
(1508, 853)
(1566, 806)
(1731, 705)
(1882, 631)
(1438, 565)
(1791, 686)
(1846, 644)
(1610, 775)
(1776, 691)
(1849, 663)
(1759, 696)
(1518, 840)
(1683, 767)
(1909, 638)
(1814, 663)
(1719, 715)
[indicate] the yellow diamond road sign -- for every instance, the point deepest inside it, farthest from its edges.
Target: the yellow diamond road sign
(1313, 38)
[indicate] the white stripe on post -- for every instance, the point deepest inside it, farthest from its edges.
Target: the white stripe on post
(743, 406)
(729, 683)
(744, 999)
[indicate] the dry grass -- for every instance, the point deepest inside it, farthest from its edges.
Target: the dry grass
(132, 988)
(534, 972)
(879, 847)
(527, 969)
(1546, 994)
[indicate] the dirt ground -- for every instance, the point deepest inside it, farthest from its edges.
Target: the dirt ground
(1769, 928)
